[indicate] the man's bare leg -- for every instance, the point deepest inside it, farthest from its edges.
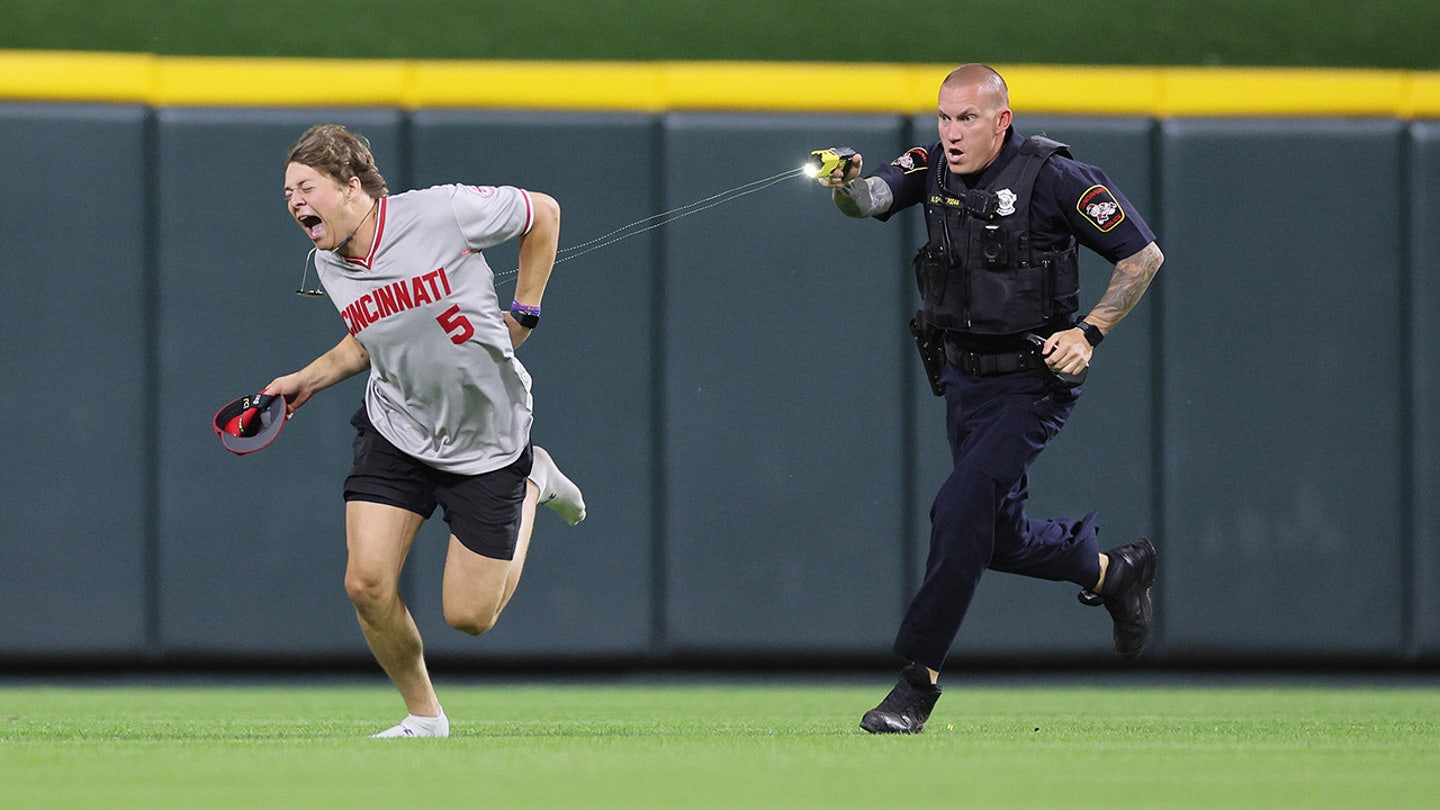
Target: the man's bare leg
(477, 588)
(379, 538)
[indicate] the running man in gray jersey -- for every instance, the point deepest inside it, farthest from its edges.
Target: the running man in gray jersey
(447, 411)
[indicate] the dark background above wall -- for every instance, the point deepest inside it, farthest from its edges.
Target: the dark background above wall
(1285, 33)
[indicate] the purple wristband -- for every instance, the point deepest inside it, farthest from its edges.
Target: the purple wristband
(524, 314)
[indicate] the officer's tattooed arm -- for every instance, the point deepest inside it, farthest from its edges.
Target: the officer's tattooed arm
(1131, 277)
(863, 197)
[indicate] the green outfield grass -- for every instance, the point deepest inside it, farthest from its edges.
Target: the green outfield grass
(1328, 33)
(785, 745)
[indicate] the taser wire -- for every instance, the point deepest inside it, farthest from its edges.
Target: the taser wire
(621, 233)
(664, 217)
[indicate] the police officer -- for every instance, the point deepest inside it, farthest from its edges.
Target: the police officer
(998, 278)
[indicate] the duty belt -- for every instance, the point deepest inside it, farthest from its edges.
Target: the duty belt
(977, 364)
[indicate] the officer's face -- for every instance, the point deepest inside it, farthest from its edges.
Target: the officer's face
(973, 121)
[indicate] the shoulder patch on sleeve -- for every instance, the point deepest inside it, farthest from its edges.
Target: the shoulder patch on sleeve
(1098, 206)
(483, 191)
(912, 161)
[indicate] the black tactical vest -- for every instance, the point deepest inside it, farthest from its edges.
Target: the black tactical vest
(977, 273)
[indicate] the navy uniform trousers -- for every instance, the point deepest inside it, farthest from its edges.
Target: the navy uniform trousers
(997, 426)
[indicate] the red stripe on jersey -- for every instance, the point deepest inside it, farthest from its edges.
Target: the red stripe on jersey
(374, 243)
(529, 211)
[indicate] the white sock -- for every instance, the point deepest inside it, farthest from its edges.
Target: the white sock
(416, 726)
(556, 491)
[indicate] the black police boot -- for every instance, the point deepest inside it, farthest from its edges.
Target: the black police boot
(1127, 594)
(907, 707)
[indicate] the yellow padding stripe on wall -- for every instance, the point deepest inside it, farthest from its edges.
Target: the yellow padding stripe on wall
(661, 86)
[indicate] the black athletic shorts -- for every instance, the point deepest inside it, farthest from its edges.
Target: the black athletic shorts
(483, 510)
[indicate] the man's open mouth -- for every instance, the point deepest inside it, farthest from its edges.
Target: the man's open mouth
(312, 224)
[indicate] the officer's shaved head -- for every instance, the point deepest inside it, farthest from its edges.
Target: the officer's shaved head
(983, 78)
(974, 116)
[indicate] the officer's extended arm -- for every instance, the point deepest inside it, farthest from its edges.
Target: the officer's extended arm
(863, 197)
(856, 196)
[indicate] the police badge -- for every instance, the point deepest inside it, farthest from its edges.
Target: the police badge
(1007, 202)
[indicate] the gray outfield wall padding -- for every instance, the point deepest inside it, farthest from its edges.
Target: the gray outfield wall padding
(736, 392)
(1282, 388)
(1424, 235)
(75, 412)
(783, 391)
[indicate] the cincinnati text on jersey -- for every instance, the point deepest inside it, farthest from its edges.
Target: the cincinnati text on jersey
(399, 296)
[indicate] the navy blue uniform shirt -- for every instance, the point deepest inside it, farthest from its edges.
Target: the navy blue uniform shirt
(1072, 200)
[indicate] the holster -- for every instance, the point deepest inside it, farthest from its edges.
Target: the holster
(931, 345)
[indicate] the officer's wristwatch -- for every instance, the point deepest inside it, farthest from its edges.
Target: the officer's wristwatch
(1093, 335)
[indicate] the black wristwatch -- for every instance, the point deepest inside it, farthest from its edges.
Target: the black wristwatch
(1093, 335)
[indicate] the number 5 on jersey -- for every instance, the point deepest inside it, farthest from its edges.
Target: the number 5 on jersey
(456, 325)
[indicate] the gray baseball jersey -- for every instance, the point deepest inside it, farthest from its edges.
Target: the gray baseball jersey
(445, 385)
